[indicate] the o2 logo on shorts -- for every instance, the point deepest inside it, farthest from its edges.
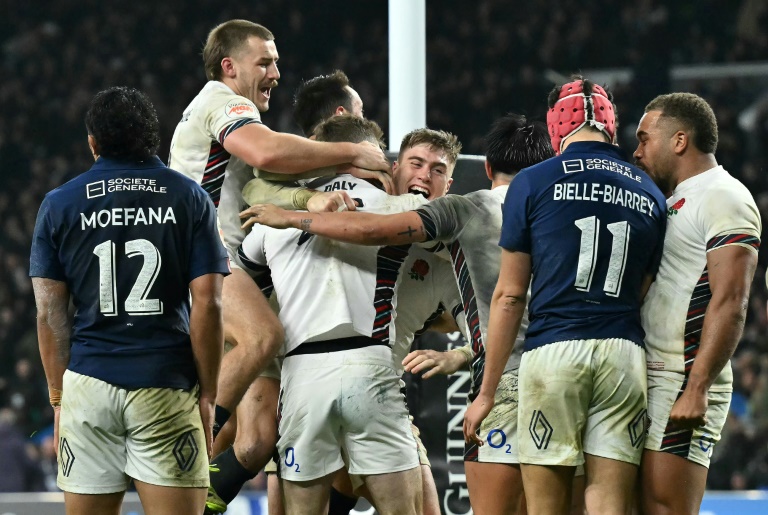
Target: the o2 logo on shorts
(706, 443)
(501, 443)
(290, 459)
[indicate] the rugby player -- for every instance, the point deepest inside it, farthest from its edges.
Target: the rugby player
(469, 227)
(358, 286)
(694, 313)
(129, 242)
(218, 142)
(588, 227)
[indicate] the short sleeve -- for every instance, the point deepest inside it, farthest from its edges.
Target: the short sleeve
(515, 227)
(208, 254)
(44, 256)
(226, 113)
(441, 217)
(251, 251)
(730, 217)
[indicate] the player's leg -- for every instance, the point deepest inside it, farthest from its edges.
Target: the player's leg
(226, 436)
(663, 492)
(307, 497)
(675, 463)
(167, 500)
(577, 492)
(555, 392)
(493, 472)
(92, 448)
(430, 502)
(494, 488)
(396, 493)
(610, 485)
(256, 333)
(254, 442)
(547, 488)
(103, 504)
(274, 492)
(616, 425)
(344, 496)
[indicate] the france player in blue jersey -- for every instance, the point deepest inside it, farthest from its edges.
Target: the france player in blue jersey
(128, 242)
(588, 228)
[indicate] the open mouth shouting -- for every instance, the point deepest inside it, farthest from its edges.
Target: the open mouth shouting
(419, 190)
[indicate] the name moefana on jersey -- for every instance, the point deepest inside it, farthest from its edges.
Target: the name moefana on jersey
(127, 216)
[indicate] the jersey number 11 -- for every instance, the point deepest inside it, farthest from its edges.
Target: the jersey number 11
(590, 232)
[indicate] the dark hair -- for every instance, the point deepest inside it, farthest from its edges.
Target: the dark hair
(226, 39)
(124, 124)
(691, 112)
(348, 128)
(317, 99)
(514, 143)
(441, 141)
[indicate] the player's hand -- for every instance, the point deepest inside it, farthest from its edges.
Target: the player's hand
(330, 201)
(266, 214)
(208, 416)
(56, 415)
(690, 410)
(383, 178)
(370, 157)
(433, 362)
(474, 416)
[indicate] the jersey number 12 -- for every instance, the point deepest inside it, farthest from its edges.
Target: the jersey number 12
(137, 302)
(590, 231)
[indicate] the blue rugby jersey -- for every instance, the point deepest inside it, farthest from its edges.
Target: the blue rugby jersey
(128, 238)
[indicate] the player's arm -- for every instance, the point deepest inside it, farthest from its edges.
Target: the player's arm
(284, 196)
(53, 331)
(731, 269)
(206, 331)
(278, 152)
(359, 228)
(506, 313)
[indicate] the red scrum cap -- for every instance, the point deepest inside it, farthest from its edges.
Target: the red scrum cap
(574, 109)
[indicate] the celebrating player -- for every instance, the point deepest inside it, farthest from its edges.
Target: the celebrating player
(588, 227)
(128, 241)
(694, 313)
(469, 226)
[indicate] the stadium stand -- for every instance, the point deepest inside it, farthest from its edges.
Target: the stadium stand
(484, 58)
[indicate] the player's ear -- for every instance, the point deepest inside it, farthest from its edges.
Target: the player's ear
(681, 141)
(93, 146)
(339, 111)
(228, 67)
(488, 171)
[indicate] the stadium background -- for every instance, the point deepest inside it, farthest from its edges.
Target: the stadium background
(485, 58)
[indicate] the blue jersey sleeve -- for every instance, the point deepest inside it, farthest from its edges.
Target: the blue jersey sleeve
(44, 257)
(655, 263)
(208, 255)
(515, 228)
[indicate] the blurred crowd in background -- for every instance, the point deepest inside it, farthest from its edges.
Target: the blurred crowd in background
(484, 58)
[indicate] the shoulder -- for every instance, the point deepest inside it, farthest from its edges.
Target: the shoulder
(218, 98)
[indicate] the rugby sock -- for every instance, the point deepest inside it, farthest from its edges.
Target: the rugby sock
(219, 419)
(340, 504)
(231, 475)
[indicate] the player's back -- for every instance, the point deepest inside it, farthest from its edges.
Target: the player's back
(594, 226)
(130, 238)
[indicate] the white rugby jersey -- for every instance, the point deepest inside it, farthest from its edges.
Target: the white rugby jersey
(705, 212)
(328, 289)
(470, 227)
(197, 151)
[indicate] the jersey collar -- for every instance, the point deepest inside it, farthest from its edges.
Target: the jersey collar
(107, 163)
(595, 147)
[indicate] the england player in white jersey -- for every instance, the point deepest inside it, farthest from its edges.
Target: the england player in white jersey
(694, 313)
(469, 227)
(352, 307)
(218, 142)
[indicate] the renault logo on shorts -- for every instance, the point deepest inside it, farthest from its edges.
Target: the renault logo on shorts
(66, 456)
(185, 451)
(540, 429)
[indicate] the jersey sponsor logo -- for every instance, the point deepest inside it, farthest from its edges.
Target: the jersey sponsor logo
(127, 216)
(95, 189)
(573, 166)
(597, 192)
(676, 207)
(419, 270)
(239, 108)
(612, 166)
(340, 185)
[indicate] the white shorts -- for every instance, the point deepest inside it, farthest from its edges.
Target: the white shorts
(499, 429)
(582, 396)
(695, 445)
(343, 408)
(108, 435)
